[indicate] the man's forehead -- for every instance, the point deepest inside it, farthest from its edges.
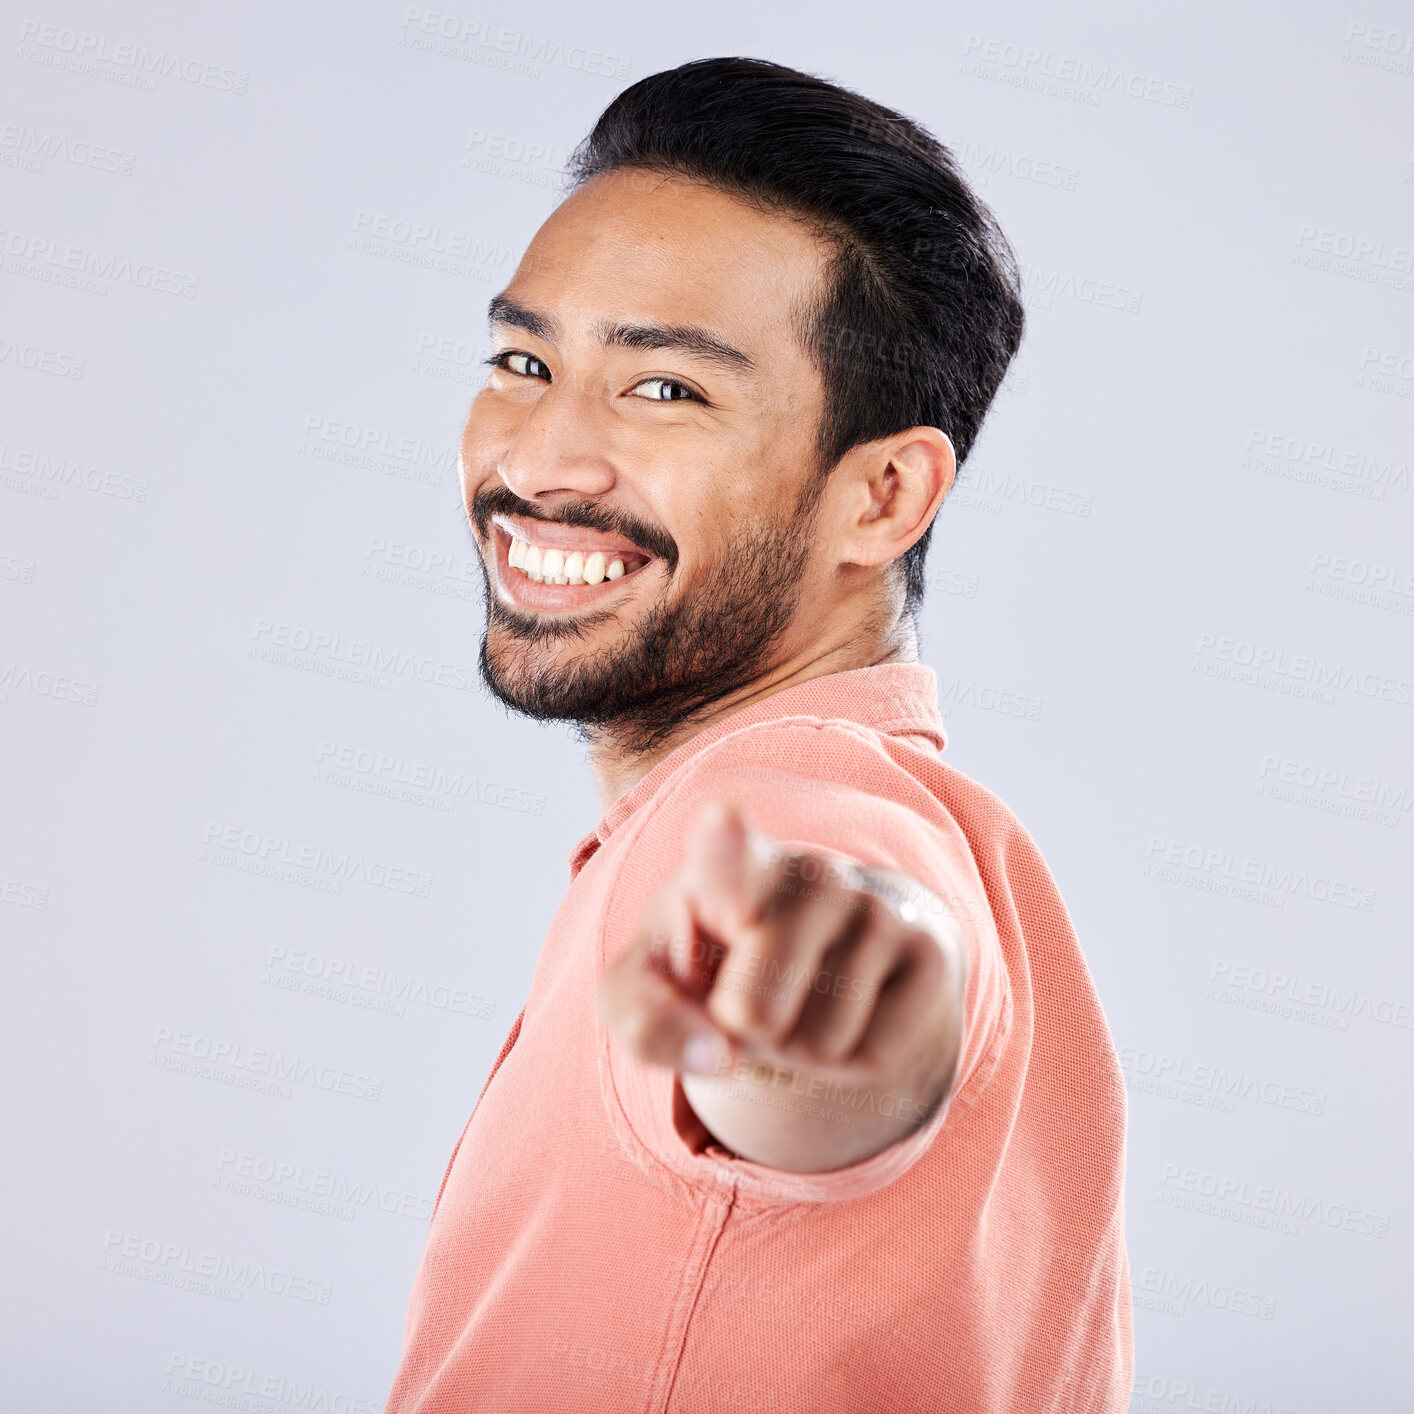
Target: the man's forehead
(630, 253)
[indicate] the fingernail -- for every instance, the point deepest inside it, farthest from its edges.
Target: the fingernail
(705, 1055)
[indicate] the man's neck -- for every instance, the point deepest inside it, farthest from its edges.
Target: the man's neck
(617, 771)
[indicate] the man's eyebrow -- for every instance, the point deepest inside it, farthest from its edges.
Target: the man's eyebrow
(504, 310)
(684, 338)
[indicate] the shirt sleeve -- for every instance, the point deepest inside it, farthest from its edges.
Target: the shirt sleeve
(827, 786)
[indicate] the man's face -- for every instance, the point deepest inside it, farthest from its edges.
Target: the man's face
(693, 467)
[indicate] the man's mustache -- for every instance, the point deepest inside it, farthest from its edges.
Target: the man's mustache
(587, 515)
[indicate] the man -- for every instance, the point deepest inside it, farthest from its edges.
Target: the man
(812, 1106)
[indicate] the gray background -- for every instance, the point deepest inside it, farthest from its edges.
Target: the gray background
(230, 412)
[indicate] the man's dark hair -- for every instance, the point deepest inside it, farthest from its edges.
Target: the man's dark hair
(922, 312)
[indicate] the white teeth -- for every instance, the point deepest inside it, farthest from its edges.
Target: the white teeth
(556, 566)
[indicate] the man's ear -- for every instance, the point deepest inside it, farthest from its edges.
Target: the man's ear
(893, 488)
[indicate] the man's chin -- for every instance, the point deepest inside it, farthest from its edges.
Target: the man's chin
(640, 674)
(550, 681)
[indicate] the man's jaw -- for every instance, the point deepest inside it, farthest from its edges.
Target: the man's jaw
(549, 565)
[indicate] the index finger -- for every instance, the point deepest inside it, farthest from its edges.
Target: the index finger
(653, 1018)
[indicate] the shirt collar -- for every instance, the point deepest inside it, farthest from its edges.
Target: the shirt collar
(896, 699)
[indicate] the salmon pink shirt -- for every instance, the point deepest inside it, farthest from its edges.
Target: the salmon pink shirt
(594, 1249)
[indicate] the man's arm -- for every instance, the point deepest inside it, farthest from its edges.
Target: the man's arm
(813, 1006)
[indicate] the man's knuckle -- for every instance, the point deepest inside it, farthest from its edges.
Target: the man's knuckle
(753, 1013)
(834, 1047)
(645, 1030)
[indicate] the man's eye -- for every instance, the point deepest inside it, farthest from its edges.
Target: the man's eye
(524, 364)
(668, 391)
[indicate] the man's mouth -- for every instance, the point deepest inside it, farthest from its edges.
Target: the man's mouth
(552, 565)
(551, 553)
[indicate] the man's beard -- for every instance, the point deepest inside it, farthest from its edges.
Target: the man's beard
(684, 656)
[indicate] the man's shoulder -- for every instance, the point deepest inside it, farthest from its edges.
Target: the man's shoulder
(825, 782)
(840, 761)
(840, 785)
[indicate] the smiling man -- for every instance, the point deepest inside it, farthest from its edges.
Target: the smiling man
(812, 1106)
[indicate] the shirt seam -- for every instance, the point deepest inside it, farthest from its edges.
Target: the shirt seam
(685, 1306)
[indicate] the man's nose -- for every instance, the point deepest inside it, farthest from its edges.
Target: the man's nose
(562, 445)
